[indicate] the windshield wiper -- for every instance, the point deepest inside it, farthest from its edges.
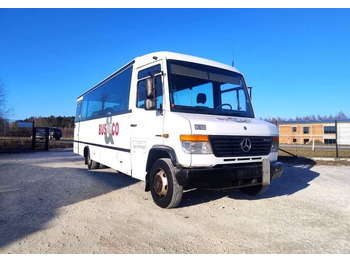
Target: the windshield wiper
(196, 109)
(202, 108)
(235, 114)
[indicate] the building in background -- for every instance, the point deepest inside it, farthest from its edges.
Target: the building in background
(324, 131)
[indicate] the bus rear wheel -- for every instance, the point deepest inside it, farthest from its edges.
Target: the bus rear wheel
(91, 164)
(165, 190)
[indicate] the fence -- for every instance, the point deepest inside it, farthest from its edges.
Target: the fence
(329, 138)
(27, 138)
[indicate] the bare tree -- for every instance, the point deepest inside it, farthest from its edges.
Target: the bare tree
(341, 115)
(2, 100)
(4, 110)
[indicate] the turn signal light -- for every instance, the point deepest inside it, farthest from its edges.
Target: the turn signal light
(194, 138)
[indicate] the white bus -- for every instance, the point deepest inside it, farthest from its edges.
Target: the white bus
(177, 122)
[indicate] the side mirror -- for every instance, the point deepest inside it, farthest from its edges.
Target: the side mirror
(150, 104)
(151, 94)
(150, 88)
(250, 91)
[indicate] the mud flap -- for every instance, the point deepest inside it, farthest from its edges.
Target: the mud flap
(266, 171)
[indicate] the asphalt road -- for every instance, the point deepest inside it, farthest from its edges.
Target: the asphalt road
(51, 203)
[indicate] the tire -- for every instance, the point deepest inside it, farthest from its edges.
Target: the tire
(91, 164)
(165, 190)
(254, 190)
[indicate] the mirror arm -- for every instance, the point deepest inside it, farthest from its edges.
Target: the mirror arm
(250, 91)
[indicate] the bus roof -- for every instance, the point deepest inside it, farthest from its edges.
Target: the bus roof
(142, 60)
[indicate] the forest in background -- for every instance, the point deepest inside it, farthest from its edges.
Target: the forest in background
(278, 120)
(66, 123)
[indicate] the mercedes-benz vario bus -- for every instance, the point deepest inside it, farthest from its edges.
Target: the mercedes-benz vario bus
(177, 122)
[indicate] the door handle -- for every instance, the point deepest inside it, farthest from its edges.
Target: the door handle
(133, 125)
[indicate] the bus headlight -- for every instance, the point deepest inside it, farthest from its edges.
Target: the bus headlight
(195, 144)
(275, 144)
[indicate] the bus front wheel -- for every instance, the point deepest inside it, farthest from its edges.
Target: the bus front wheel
(165, 190)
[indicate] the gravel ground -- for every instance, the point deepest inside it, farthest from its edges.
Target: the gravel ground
(51, 203)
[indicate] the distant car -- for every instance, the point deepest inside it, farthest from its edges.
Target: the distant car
(55, 133)
(40, 133)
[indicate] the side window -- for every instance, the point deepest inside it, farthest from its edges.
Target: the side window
(111, 97)
(116, 95)
(84, 109)
(141, 85)
(235, 97)
(153, 70)
(78, 112)
(141, 93)
(95, 103)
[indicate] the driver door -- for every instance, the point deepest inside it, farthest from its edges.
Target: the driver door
(146, 125)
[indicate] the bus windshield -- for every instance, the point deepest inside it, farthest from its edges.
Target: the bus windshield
(201, 89)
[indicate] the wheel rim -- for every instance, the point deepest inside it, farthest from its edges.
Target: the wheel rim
(160, 183)
(89, 161)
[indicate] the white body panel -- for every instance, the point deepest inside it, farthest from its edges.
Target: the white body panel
(183, 123)
(114, 135)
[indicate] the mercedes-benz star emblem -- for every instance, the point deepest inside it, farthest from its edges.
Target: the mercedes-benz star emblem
(246, 145)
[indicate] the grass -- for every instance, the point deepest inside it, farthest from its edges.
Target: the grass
(24, 144)
(318, 152)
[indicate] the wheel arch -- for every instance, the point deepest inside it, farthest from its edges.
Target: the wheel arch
(157, 152)
(86, 153)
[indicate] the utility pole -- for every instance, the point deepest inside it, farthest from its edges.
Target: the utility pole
(233, 54)
(33, 136)
(336, 139)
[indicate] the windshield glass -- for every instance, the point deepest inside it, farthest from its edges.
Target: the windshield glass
(202, 89)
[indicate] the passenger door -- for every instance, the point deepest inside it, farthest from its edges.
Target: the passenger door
(146, 125)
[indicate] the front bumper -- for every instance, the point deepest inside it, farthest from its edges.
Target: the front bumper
(230, 176)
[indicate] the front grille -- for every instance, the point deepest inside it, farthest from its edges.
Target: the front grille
(230, 146)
